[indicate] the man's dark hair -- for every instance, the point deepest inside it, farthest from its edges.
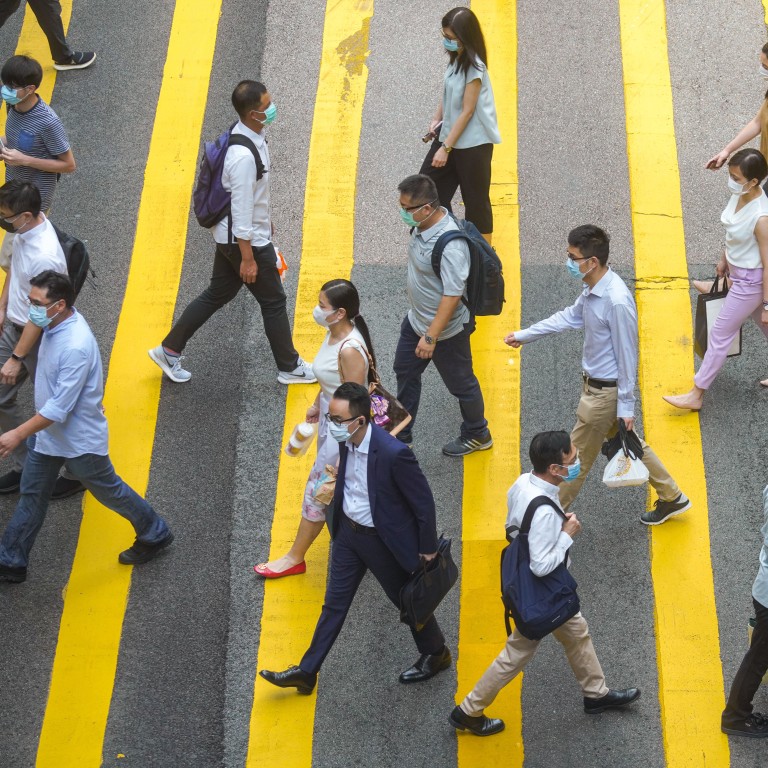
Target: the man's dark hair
(751, 163)
(420, 188)
(765, 49)
(20, 196)
(57, 286)
(549, 448)
(247, 96)
(591, 241)
(21, 71)
(358, 398)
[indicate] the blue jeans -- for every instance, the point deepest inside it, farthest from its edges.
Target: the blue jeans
(453, 360)
(97, 474)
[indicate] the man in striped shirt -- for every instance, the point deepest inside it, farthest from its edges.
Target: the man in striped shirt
(35, 146)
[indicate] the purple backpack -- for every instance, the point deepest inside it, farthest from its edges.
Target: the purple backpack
(211, 202)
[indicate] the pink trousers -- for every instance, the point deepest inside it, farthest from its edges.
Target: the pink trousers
(745, 298)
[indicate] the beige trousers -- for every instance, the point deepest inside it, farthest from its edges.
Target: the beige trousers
(577, 643)
(595, 421)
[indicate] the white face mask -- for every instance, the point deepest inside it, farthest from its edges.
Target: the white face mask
(321, 316)
(738, 189)
(764, 71)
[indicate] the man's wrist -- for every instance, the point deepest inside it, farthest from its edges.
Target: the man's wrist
(17, 357)
(430, 339)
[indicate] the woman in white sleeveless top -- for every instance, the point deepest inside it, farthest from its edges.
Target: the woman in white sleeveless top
(746, 261)
(348, 341)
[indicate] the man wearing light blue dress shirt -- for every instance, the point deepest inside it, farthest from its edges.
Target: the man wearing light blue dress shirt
(738, 718)
(69, 429)
(606, 311)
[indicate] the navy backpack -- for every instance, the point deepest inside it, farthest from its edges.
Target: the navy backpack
(485, 283)
(211, 202)
(537, 604)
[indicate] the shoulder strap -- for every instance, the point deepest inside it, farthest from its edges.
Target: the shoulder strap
(238, 140)
(539, 501)
(442, 241)
(362, 348)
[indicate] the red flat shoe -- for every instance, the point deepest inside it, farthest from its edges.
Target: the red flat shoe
(262, 570)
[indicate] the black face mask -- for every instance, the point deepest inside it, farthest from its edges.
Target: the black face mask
(8, 227)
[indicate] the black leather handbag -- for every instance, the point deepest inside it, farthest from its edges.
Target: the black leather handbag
(428, 586)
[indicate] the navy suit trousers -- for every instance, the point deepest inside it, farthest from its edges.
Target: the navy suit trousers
(352, 554)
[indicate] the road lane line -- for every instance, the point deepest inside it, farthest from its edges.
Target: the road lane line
(282, 722)
(97, 594)
(687, 641)
(488, 475)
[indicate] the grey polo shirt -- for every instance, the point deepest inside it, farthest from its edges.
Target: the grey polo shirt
(760, 587)
(425, 288)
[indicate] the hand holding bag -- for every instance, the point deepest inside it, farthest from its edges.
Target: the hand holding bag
(708, 307)
(626, 467)
(428, 586)
(386, 410)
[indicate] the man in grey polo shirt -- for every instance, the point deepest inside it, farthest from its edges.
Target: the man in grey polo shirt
(438, 325)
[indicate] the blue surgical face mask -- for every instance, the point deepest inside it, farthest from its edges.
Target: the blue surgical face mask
(340, 433)
(573, 471)
(450, 45)
(573, 269)
(11, 95)
(39, 316)
(270, 113)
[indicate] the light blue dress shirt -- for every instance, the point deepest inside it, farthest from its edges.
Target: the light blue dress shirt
(608, 315)
(357, 504)
(69, 389)
(760, 587)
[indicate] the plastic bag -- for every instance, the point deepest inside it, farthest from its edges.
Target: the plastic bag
(623, 470)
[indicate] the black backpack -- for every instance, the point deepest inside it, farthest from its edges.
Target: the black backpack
(211, 202)
(78, 260)
(538, 604)
(485, 284)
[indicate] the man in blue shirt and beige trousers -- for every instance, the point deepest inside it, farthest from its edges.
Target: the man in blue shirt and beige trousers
(606, 311)
(68, 428)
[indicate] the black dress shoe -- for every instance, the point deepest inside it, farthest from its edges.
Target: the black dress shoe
(10, 482)
(65, 487)
(293, 677)
(12, 575)
(754, 726)
(141, 552)
(611, 700)
(427, 666)
(480, 726)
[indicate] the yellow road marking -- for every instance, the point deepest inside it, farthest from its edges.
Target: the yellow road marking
(687, 643)
(89, 637)
(282, 722)
(488, 475)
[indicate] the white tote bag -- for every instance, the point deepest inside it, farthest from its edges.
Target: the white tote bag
(623, 470)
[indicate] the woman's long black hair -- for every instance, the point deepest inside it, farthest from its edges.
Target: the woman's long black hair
(464, 24)
(341, 294)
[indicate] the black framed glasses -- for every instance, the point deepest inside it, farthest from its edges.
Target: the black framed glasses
(576, 258)
(337, 421)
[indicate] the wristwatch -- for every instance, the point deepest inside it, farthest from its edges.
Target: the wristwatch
(765, 306)
(447, 148)
(20, 358)
(430, 339)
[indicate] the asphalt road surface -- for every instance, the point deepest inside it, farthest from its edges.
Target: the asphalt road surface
(183, 686)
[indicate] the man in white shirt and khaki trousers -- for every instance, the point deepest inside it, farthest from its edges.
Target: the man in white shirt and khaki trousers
(606, 311)
(555, 462)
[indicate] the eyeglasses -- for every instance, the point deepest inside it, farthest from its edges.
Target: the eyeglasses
(575, 459)
(417, 207)
(33, 303)
(576, 258)
(339, 421)
(13, 217)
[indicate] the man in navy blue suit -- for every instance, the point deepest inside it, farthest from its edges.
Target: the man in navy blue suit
(383, 521)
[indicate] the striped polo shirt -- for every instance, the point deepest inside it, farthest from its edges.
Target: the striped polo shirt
(38, 133)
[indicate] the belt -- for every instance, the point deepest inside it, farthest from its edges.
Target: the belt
(357, 528)
(597, 383)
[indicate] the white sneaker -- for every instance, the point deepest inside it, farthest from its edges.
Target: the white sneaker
(302, 374)
(170, 367)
